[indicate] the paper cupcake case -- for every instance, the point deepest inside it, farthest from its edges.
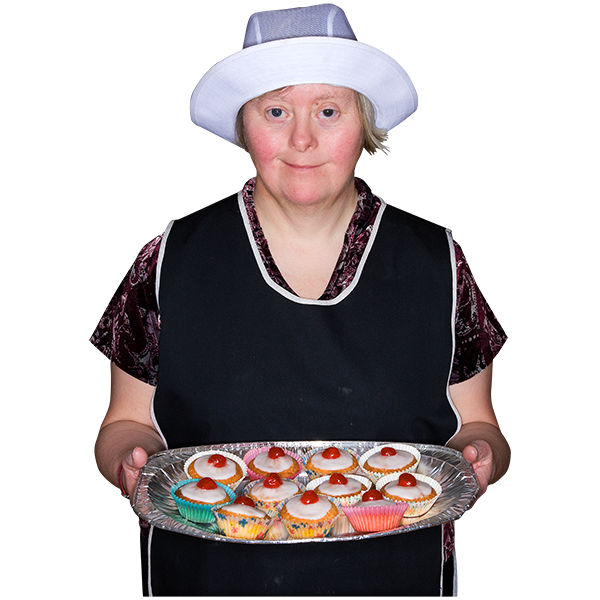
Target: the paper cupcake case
(342, 526)
(198, 513)
(416, 508)
(271, 508)
(228, 455)
(241, 526)
(346, 500)
(314, 474)
(374, 476)
(315, 529)
(367, 519)
(256, 451)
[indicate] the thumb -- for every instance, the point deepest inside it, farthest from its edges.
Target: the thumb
(137, 458)
(471, 454)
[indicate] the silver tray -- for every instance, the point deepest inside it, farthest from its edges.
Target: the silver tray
(152, 500)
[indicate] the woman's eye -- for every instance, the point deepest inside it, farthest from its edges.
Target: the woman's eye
(328, 112)
(275, 112)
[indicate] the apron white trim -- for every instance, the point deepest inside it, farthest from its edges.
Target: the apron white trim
(159, 262)
(149, 573)
(155, 422)
(289, 295)
(453, 328)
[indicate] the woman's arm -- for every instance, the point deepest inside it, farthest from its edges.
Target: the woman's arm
(127, 435)
(480, 439)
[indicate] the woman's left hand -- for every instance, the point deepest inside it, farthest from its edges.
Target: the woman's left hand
(479, 454)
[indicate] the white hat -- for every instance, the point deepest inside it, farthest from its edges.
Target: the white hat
(314, 44)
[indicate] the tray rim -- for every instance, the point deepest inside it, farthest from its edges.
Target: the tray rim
(157, 518)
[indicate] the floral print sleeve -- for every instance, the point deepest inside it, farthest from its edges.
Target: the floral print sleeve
(478, 334)
(128, 333)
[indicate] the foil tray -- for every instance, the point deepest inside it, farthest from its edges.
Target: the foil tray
(152, 500)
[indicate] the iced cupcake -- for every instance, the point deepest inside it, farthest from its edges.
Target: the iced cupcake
(264, 461)
(195, 498)
(390, 458)
(242, 520)
(309, 515)
(331, 460)
(340, 489)
(224, 467)
(418, 491)
(374, 513)
(272, 492)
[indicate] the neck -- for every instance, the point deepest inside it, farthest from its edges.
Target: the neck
(309, 221)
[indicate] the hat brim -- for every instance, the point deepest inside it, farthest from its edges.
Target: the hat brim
(251, 72)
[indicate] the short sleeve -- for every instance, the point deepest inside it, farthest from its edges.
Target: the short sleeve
(479, 336)
(129, 331)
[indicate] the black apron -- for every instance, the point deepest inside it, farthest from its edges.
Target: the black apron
(243, 361)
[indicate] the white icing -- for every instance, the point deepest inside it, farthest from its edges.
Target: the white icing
(352, 487)
(244, 510)
(311, 512)
(273, 465)
(396, 461)
(193, 492)
(342, 462)
(206, 469)
(375, 503)
(266, 494)
(414, 492)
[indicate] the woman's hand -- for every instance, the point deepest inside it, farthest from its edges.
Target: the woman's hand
(479, 454)
(131, 467)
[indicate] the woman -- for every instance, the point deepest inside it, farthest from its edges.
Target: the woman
(301, 308)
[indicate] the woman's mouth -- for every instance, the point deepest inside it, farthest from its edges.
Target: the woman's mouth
(302, 167)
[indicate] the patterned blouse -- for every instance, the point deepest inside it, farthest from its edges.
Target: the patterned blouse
(129, 331)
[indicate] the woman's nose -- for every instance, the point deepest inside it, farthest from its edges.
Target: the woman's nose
(302, 135)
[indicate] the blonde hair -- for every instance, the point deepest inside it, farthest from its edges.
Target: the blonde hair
(374, 137)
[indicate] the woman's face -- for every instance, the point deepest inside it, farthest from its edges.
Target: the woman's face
(305, 141)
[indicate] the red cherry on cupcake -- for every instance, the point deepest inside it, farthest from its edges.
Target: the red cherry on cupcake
(387, 451)
(331, 453)
(217, 460)
(407, 480)
(272, 481)
(337, 479)
(372, 496)
(276, 452)
(206, 483)
(309, 497)
(244, 500)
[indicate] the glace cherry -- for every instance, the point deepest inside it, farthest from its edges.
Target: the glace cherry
(206, 483)
(331, 453)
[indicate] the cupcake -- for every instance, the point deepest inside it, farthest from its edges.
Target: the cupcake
(330, 460)
(340, 489)
(271, 492)
(242, 520)
(264, 461)
(309, 515)
(391, 458)
(418, 491)
(196, 497)
(223, 467)
(374, 513)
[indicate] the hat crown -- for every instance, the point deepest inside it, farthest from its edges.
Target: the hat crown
(322, 20)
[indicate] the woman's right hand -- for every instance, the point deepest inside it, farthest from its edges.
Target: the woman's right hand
(131, 467)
